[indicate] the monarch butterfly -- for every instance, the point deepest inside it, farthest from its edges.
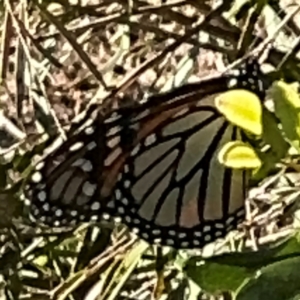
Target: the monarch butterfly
(153, 164)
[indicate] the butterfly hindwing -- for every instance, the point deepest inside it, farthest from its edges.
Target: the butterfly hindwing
(172, 188)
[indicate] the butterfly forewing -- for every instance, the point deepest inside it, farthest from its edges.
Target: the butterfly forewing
(64, 187)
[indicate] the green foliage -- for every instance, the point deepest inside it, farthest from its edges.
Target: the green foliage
(238, 272)
(275, 138)
(287, 109)
(272, 273)
(282, 276)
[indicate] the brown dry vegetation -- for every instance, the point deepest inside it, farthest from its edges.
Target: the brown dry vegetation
(59, 57)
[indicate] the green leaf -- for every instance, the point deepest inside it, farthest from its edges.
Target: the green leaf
(278, 281)
(278, 149)
(273, 136)
(267, 167)
(241, 108)
(227, 272)
(239, 155)
(215, 276)
(287, 109)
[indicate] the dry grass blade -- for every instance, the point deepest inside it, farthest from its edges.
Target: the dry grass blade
(71, 39)
(7, 33)
(21, 67)
(36, 44)
(291, 24)
(25, 64)
(245, 41)
(280, 26)
(120, 18)
(66, 288)
(121, 274)
(7, 125)
(133, 75)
